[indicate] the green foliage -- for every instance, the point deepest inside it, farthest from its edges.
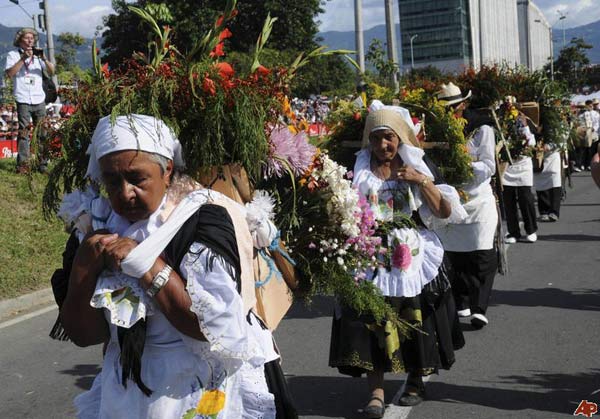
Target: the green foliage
(28, 258)
(570, 64)
(65, 57)
(386, 68)
(293, 33)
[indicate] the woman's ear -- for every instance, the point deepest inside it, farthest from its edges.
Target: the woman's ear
(168, 172)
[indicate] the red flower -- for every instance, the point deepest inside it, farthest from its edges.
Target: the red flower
(209, 87)
(263, 71)
(105, 70)
(357, 116)
(226, 33)
(217, 51)
(225, 70)
(219, 21)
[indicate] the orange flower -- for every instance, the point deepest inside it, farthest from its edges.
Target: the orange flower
(263, 71)
(105, 70)
(225, 70)
(226, 33)
(209, 87)
(217, 51)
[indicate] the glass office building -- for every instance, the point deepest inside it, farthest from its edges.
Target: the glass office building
(442, 30)
(454, 34)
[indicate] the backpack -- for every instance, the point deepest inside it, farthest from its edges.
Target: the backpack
(49, 87)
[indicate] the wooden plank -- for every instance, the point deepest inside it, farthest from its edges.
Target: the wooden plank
(427, 145)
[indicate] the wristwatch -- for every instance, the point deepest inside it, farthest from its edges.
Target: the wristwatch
(424, 182)
(159, 281)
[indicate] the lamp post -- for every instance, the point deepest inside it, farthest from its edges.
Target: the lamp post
(412, 53)
(562, 18)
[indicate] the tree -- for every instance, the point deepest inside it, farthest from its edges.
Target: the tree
(378, 58)
(571, 62)
(67, 70)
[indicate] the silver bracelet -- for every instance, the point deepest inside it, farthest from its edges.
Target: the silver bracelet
(159, 281)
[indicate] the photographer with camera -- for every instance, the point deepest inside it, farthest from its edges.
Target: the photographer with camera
(25, 67)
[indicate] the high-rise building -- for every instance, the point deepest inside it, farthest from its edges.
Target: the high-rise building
(534, 36)
(454, 34)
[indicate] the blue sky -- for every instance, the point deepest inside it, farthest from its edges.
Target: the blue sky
(84, 15)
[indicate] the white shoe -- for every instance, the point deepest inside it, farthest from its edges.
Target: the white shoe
(553, 217)
(464, 313)
(544, 218)
(479, 320)
(531, 238)
(576, 169)
(510, 240)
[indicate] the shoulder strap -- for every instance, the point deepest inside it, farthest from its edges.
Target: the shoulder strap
(212, 226)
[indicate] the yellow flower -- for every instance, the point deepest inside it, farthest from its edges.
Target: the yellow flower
(293, 129)
(211, 403)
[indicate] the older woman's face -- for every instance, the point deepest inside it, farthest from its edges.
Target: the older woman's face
(384, 144)
(135, 183)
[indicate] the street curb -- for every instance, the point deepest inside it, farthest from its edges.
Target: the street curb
(14, 306)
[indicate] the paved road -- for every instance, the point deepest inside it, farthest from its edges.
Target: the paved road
(537, 359)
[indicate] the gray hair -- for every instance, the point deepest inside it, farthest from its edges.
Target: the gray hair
(162, 161)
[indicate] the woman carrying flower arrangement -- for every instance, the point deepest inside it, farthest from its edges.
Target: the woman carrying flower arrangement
(406, 199)
(160, 272)
(518, 178)
(470, 244)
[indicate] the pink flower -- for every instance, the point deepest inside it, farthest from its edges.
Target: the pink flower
(292, 148)
(349, 174)
(311, 245)
(402, 257)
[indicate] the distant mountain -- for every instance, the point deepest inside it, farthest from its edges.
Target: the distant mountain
(7, 35)
(346, 40)
(590, 33)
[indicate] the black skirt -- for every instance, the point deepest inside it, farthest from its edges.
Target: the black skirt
(358, 345)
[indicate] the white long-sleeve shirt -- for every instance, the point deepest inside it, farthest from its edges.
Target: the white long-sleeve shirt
(477, 231)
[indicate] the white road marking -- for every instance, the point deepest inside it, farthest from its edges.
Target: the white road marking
(393, 411)
(27, 316)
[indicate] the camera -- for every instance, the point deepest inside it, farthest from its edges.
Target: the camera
(38, 52)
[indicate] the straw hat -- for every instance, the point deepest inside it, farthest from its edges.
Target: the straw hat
(451, 94)
(21, 32)
(389, 119)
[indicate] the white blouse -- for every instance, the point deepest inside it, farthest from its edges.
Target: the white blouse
(477, 231)
(178, 368)
(418, 252)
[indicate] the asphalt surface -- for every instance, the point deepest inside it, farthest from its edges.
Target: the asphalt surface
(538, 358)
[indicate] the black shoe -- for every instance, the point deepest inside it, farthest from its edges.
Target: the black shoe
(413, 394)
(374, 412)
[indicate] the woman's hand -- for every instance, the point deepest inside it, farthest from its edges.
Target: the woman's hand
(90, 254)
(116, 250)
(410, 174)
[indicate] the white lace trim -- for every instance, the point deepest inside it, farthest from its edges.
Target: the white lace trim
(397, 283)
(236, 348)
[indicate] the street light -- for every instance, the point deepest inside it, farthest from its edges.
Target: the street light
(26, 12)
(412, 54)
(562, 18)
(551, 49)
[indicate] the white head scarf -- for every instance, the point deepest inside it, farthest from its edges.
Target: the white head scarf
(132, 132)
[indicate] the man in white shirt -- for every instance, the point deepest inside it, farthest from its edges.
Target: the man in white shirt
(25, 67)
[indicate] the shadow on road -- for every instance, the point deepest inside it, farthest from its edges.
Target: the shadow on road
(335, 396)
(85, 374)
(560, 393)
(580, 205)
(569, 238)
(320, 306)
(587, 300)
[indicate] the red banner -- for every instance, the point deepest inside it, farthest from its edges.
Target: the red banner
(8, 149)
